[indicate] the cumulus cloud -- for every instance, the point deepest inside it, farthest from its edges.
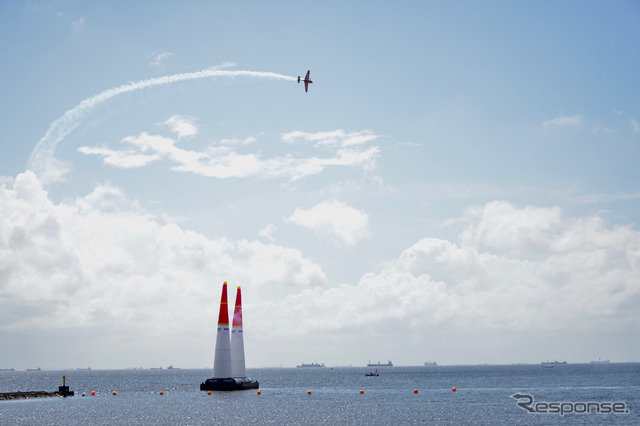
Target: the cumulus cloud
(181, 125)
(99, 260)
(53, 169)
(503, 226)
(563, 120)
(334, 218)
(512, 269)
(102, 266)
(226, 160)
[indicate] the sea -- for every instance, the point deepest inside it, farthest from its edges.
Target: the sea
(484, 394)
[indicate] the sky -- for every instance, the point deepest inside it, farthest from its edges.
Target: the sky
(459, 185)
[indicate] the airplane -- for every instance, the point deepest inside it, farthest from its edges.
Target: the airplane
(306, 81)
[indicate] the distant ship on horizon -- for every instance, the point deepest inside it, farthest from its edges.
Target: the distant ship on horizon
(313, 364)
(556, 362)
(379, 364)
(430, 364)
(600, 361)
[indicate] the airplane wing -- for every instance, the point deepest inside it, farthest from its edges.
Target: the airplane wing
(307, 77)
(306, 85)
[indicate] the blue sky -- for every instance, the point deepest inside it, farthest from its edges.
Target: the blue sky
(459, 184)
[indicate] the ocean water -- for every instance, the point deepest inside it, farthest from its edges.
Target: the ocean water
(483, 396)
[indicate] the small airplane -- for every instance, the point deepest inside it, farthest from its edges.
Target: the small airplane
(306, 81)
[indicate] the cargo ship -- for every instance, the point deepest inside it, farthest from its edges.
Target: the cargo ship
(313, 364)
(379, 364)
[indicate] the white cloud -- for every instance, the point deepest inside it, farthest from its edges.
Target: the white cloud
(100, 266)
(336, 138)
(268, 231)
(100, 260)
(227, 161)
(53, 169)
(158, 60)
(500, 225)
(43, 155)
(334, 218)
(125, 159)
(181, 125)
(238, 142)
(539, 271)
(79, 25)
(563, 120)
(632, 123)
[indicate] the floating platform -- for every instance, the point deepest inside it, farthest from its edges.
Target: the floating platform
(229, 372)
(229, 384)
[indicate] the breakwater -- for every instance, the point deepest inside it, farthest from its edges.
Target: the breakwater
(63, 391)
(8, 396)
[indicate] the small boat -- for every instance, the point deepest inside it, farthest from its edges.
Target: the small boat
(372, 374)
(430, 364)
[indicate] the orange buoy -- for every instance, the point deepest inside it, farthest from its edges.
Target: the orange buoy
(115, 393)
(361, 392)
(308, 392)
(209, 393)
(453, 389)
(259, 393)
(93, 393)
(415, 391)
(161, 393)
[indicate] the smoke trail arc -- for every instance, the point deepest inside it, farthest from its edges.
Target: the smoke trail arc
(42, 156)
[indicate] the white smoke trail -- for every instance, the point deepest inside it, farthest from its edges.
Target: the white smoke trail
(42, 160)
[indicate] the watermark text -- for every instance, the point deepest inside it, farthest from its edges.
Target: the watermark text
(528, 403)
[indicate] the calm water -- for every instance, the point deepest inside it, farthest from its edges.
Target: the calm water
(482, 397)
